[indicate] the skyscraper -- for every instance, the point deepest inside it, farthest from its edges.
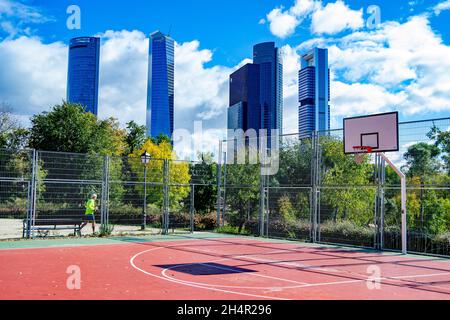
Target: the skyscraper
(245, 111)
(256, 91)
(160, 91)
(268, 57)
(314, 92)
(83, 73)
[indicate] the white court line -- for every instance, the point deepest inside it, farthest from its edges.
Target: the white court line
(289, 264)
(247, 256)
(377, 279)
(193, 285)
(164, 273)
(306, 285)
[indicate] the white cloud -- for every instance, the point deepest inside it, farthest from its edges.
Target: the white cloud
(382, 70)
(200, 93)
(14, 17)
(34, 77)
(282, 23)
(441, 7)
(197, 86)
(336, 17)
(330, 19)
(33, 74)
(304, 7)
(361, 98)
(123, 75)
(291, 65)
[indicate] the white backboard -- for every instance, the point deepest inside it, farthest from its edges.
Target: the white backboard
(380, 132)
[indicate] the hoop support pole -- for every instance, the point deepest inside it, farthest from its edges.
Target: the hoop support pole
(403, 192)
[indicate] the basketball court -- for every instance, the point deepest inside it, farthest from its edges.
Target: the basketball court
(210, 267)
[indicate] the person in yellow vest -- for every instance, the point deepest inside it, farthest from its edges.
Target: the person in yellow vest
(89, 216)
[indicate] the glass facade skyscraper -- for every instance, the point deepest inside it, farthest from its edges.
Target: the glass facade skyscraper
(244, 98)
(160, 91)
(83, 73)
(268, 57)
(314, 92)
(256, 91)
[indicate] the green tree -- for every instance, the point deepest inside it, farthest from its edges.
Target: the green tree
(422, 159)
(204, 176)
(294, 164)
(135, 137)
(179, 177)
(442, 140)
(242, 191)
(350, 196)
(12, 135)
(68, 128)
(422, 162)
(286, 209)
(160, 139)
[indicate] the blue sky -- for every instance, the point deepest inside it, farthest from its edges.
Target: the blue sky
(399, 64)
(228, 27)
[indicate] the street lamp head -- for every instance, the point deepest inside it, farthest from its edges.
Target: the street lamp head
(145, 158)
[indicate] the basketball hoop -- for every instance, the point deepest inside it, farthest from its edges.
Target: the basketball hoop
(381, 133)
(360, 151)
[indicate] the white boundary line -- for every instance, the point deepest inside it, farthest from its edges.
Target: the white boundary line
(194, 285)
(164, 273)
(301, 284)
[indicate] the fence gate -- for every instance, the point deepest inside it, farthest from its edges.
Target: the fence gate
(15, 189)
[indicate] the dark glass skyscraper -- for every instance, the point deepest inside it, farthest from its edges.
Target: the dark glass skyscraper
(160, 91)
(245, 111)
(268, 57)
(256, 91)
(314, 92)
(83, 73)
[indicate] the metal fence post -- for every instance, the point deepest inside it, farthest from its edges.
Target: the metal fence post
(105, 194)
(267, 209)
(166, 199)
(219, 186)
(380, 169)
(261, 201)
(30, 196)
(34, 182)
(382, 208)
(312, 212)
(376, 201)
(192, 208)
(315, 187)
(225, 173)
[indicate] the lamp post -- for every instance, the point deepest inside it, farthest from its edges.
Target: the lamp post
(145, 159)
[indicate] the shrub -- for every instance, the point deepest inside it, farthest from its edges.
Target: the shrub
(231, 230)
(205, 222)
(106, 231)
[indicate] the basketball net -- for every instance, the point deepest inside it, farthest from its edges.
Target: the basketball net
(361, 151)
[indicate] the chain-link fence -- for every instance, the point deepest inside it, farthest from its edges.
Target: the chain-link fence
(322, 195)
(15, 181)
(317, 193)
(45, 193)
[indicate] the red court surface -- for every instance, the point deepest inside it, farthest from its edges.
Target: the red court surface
(222, 268)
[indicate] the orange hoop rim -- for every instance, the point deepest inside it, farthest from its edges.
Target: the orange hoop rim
(364, 149)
